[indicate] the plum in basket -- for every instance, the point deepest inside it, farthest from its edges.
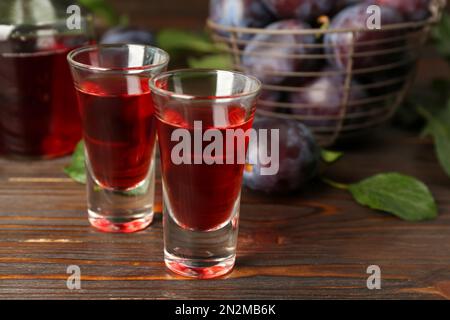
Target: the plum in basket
(128, 35)
(322, 100)
(412, 10)
(341, 4)
(298, 158)
(368, 44)
(304, 10)
(267, 54)
(270, 97)
(240, 13)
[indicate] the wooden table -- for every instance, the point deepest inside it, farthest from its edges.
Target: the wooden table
(317, 244)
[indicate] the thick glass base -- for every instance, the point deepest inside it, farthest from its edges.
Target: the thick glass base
(200, 254)
(121, 211)
(199, 268)
(121, 224)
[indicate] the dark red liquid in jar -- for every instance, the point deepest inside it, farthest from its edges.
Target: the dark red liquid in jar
(38, 109)
(119, 129)
(201, 196)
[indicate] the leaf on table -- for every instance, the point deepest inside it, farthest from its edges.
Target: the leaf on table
(331, 156)
(173, 40)
(216, 61)
(439, 129)
(397, 194)
(76, 170)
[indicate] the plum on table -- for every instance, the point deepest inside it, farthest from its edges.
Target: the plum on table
(369, 42)
(129, 35)
(270, 53)
(323, 98)
(299, 157)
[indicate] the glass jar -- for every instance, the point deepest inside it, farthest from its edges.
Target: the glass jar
(38, 107)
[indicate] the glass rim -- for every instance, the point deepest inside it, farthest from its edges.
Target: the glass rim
(72, 54)
(155, 89)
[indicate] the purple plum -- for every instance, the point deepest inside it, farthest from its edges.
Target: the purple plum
(339, 44)
(130, 35)
(269, 97)
(341, 4)
(412, 10)
(304, 10)
(323, 98)
(240, 13)
(299, 157)
(269, 53)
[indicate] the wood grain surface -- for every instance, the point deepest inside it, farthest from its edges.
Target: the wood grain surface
(316, 244)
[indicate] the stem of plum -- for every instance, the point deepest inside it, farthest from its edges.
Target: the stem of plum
(335, 184)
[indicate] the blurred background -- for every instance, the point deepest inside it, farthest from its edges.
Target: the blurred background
(192, 14)
(155, 14)
(295, 70)
(180, 28)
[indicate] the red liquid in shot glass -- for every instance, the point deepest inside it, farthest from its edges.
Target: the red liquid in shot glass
(119, 129)
(38, 107)
(202, 197)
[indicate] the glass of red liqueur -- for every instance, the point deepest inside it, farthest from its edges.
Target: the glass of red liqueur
(119, 131)
(202, 180)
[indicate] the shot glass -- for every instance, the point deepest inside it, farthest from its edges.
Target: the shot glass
(119, 130)
(202, 183)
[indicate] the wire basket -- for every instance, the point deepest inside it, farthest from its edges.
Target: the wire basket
(385, 85)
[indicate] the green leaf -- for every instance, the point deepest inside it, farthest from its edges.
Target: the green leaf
(104, 10)
(76, 170)
(216, 61)
(442, 115)
(331, 156)
(434, 96)
(334, 184)
(401, 195)
(175, 40)
(440, 87)
(439, 129)
(441, 35)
